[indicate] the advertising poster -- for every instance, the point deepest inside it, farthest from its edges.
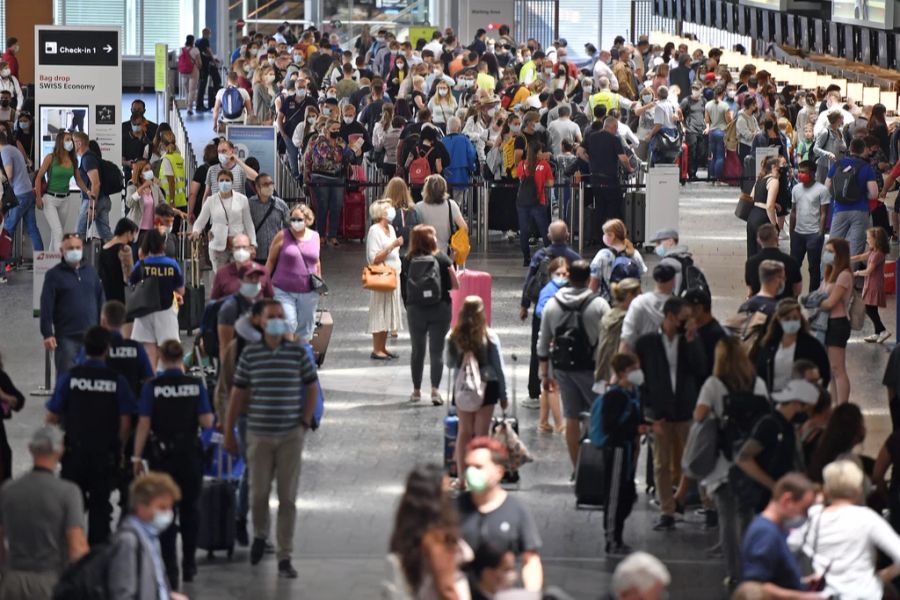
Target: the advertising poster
(160, 70)
(258, 141)
(866, 13)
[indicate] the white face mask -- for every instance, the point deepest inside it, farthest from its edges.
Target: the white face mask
(443, 91)
(270, 78)
(5, 72)
(298, 224)
(69, 146)
(391, 213)
(348, 120)
(162, 520)
(147, 175)
(241, 255)
(635, 377)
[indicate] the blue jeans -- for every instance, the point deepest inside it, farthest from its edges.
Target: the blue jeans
(25, 210)
(329, 192)
(809, 245)
(66, 350)
(299, 311)
(101, 218)
(539, 215)
(717, 147)
(293, 154)
(851, 225)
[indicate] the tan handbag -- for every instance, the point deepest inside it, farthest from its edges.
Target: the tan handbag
(379, 278)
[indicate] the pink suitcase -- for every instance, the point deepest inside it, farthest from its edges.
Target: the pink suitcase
(472, 283)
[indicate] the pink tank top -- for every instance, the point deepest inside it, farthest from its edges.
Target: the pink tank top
(296, 261)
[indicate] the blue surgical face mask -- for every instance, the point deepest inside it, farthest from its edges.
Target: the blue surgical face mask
(162, 520)
(780, 289)
(661, 251)
(276, 327)
(250, 290)
(73, 256)
(225, 186)
(791, 327)
(560, 281)
(828, 257)
(476, 480)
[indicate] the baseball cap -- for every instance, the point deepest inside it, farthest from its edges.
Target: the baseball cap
(697, 297)
(665, 234)
(710, 77)
(663, 273)
(798, 390)
(251, 268)
(46, 440)
(563, 42)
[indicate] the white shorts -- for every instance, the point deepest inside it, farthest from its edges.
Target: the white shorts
(156, 328)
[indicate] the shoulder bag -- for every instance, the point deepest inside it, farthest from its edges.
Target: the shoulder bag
(9, 200)
(460, 247)
(316, 283)
(744, 206)
(142, 298)
(379, 278)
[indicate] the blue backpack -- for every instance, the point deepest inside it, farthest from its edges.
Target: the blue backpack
(623, 267)
(232, 103)
(599, 437)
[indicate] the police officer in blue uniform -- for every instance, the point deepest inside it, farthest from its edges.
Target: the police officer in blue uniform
(171, 409)
(94, 405)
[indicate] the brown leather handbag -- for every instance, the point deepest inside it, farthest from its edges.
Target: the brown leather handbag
(379, 278)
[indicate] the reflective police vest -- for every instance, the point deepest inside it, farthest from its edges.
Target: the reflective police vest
(604, 98)
(177, 162)
(174, 422)
(528, 68)
(123, 358)
(91, 415)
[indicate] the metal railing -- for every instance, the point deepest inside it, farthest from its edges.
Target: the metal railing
(183, 141)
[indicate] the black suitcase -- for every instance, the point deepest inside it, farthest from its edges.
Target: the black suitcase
(649, 477)
(190, 314)
(92, 245)
(218, 527)
(636, 216)
(589, 468)
(749, 177)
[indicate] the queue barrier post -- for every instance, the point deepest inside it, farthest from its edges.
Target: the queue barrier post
(581, 217)
(47, 388)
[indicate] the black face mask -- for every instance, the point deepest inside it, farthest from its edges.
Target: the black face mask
(800, 418)
(137, 112)
(4, 103)
(682, 328)
(334, 134)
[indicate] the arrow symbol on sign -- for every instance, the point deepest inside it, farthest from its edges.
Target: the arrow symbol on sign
(107, 48)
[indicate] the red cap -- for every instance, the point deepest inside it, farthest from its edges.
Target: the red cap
(710, 76)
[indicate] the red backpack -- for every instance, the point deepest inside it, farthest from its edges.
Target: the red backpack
(185, 64)
(419, 168)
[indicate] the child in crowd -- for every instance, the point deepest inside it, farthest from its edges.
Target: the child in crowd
(804, 146)
(873, 289)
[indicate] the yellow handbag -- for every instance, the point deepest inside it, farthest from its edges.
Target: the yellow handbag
(460, 247)
(379, 278)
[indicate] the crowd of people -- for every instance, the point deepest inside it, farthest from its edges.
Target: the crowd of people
(748, 418)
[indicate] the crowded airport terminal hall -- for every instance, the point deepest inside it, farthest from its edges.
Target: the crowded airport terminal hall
(645, 252)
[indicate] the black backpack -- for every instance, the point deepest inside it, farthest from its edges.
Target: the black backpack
(527, 195)
(111, 179)
(692, 277)
(88, 579)
(423, 284)
(846, 182)
(740, 413)
(572, 349)
(541, 278)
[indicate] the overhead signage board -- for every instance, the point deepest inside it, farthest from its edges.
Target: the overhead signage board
(78, 87)
(160, 64)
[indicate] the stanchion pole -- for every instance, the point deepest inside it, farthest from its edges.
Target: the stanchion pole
(46, 389)
(581, 217)
(487, 214)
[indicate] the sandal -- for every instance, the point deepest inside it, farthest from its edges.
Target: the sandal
(374, 356)
(544, 428)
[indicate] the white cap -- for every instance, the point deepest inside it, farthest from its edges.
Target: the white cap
(798, 390)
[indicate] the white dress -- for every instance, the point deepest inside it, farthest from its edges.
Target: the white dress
(384, 307)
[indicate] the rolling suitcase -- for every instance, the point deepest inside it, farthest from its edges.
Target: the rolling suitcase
(472, 283)
(748, 178)
(451, 429)
(636, 216)
(733, 169)
(589, 469)
(92, 245)
(322, 334)
(683, 163)
(190, 314)
(353, 216)
(510, 475)
(217, 526)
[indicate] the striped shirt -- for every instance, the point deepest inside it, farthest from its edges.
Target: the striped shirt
(276, 378)
(267, 229)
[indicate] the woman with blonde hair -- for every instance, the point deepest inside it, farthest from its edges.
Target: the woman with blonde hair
(439, 210)
(442, 105)
(616, 242)
(623, 293)
(733, 373)
(406, 217)
(264, 94)
(142, 197)
(294, 256)
(842, 537)
(472, 335)
(381, 127)
(383, 247)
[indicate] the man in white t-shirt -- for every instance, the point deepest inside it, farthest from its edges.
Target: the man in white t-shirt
(563, 128)
(809, 216)
(602, 69)
(224, 112)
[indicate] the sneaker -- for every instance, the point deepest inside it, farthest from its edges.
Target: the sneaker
(617, 549)
(437, 399)
(243, 539)
(257, 550)
(526, 262)
(3, 279)
(533, 403)
(415, 396)
(871, 339)
(664, 523)
(188, 571)
(270, 547)
(286, 570)
(883, 337)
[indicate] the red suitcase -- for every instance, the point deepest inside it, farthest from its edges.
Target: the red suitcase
(353, 216)
(683, 162)
(472, 283)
